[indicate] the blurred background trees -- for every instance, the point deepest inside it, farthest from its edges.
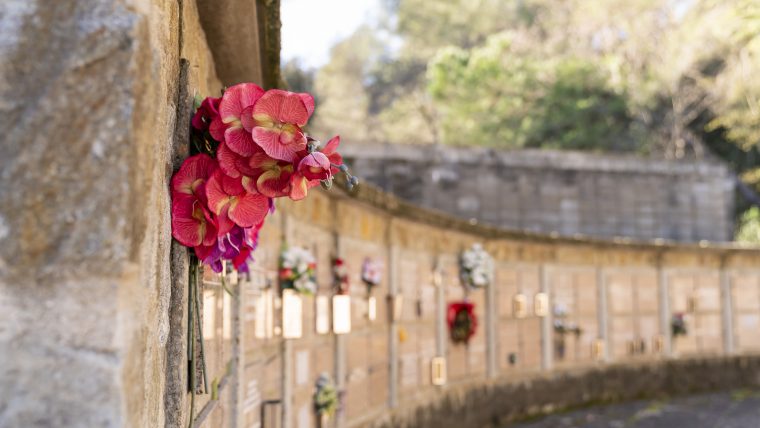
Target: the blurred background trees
(674, 79)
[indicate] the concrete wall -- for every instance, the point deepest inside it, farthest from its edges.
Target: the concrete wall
(561, 192)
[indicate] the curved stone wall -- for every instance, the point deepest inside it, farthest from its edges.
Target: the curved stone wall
(621, 293)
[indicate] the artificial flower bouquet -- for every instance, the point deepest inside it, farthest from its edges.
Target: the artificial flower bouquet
(462, 321)
(298, 270)
(250, 148)
(476, 267)
(372, 273)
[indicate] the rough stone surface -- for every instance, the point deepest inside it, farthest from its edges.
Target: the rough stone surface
(88, 90)
(236, 53)
(558, 192)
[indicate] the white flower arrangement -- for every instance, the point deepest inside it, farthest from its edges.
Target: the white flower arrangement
(297, 267)
(476, 267)
(372, 272)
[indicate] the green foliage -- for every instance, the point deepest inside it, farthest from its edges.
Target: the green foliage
(501, 95)
(749, 227)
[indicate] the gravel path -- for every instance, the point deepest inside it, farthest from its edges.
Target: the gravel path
(738, 409)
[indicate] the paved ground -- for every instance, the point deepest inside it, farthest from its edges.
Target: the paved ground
(738, 409)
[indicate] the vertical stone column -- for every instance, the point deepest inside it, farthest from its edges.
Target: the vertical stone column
(664, 306)
(491, 316)
(547, 357)
(602, 314)
(440, 310)
(726, 309)
(392, 327)
(339, 352)
(286, 375)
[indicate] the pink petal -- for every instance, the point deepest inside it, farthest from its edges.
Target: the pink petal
(331, 145)
(186, 229)
(238, 97)
(193, 169)
(249, 209)
(308, 101)
(299, 187)
(315, 166)
(249, 185)
(203, 251)
(274, 184)
(246, 118)
(283, 106)
(218, 198)
(217, 128)
(269, 140)
(224, 222)
(232, 163)
(239, 141)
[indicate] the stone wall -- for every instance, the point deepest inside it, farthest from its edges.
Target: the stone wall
(559, 192)
(621, 293)
(96, 103)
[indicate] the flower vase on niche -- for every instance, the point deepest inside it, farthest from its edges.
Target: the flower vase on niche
(297, 276)
(248, 148)
(341, 300)
(475, 267)
(461, 321)
(325, 399)
(371, 277)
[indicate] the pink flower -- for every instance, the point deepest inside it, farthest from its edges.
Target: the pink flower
(299, 186)
(272, 176)
(235, 112)
(233, 204)
(330, 150)
(207, 114)
(277, 120)
(233, 164)
(315, 166)
(192, 224)
(193, 174)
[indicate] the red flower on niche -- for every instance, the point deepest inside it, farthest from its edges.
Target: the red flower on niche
(462, 321)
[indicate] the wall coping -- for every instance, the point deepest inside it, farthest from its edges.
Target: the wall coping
(375, 197)
(536, 158)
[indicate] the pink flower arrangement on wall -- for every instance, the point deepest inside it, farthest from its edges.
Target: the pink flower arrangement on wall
(251, 149)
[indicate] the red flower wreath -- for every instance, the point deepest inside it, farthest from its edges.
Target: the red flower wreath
(462, 321)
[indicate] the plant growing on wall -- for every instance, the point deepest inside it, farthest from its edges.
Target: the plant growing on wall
(298, 270)
(462, 321)
(250, 149)
(475, 267)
